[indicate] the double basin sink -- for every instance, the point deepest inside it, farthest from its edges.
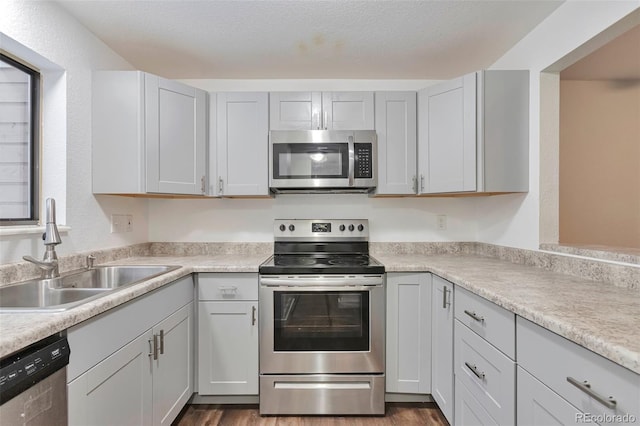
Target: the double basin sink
(74, 288)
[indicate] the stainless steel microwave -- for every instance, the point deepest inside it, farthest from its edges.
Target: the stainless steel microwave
(309, 161)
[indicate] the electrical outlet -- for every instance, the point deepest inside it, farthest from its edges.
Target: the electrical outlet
(128, 223)
(441, 221)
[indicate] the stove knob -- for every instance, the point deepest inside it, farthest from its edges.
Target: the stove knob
(360, 227)
(292, 228)
(351, 227)
(283, 228)
(342, 227)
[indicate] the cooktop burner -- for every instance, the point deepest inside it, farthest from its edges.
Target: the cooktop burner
(321, 247)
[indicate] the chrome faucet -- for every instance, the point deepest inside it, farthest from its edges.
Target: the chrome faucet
(51, 237)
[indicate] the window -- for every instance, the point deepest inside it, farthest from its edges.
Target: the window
(19, 142)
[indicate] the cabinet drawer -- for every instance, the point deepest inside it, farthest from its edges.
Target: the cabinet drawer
(228, 286)
(486, 373)
(488, 320)
(468, 410)
(555, 361)
(539, 405)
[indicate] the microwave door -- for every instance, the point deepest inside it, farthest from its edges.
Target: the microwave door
(310, 164)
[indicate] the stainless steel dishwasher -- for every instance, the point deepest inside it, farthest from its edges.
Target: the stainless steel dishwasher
(33, 384)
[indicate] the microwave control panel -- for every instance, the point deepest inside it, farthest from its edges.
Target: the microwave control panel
(363, 161)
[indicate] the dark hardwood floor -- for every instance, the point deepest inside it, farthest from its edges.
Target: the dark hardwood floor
(401, 414)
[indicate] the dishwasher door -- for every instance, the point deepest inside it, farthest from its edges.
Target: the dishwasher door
(33, 384)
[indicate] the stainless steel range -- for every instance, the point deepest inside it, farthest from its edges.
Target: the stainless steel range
(322, 321)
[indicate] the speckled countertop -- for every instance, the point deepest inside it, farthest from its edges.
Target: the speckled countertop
(18, 330)
(601, 317)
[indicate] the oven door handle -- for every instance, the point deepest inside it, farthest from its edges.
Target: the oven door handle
(303, 283)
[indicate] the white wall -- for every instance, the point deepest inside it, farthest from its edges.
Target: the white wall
(513, 220)
(391, 219)
(51, 33)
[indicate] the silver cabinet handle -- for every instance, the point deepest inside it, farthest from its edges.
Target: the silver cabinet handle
(253, 315)
(474, 316)
(585, 387)
(155, 346)
(228, 290)
(203, 188)
(161, 342)
(150, 348)
(352, 156)
(421, 183)
(220, 184)
(414, 183)
(475, 371)
(445, 291)
(324, 120)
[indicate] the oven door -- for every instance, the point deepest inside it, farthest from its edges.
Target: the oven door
(321, 325)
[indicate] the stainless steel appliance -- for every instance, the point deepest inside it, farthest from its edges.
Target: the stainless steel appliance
(322, 161)
(322, 321)
(33, 384)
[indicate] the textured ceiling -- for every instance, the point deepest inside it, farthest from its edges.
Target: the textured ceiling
(311, 39)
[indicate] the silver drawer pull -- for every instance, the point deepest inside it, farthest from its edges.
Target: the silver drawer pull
(228, 290)
(474, 316)
(475, 371)
(445, 303)
(586, 388)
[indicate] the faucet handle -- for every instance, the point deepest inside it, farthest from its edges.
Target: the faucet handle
(90, 259)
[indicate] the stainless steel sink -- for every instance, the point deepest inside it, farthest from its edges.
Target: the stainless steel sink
(74, 288)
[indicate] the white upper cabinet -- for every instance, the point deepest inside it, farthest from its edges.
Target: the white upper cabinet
(473, 134)
(321, 111)
(148, 134)
(396, 129)
(242, 140)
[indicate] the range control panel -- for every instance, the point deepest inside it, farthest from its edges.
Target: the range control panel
(334, 229)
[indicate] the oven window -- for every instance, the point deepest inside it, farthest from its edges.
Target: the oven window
(321, 321)
(305, 161)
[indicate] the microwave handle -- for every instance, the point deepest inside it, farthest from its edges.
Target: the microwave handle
(352, 160)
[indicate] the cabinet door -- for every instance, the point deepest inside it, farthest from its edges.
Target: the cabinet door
(396, 128)
(295, 110)
(442, 352)
(175, 126)
(117, 391)
(539, 405)
(173, 368)
(243, 142)
(408, 333)
(447, 136)
(228, 348)
(348, 111)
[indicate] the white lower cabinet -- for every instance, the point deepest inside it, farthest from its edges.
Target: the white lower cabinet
(602, 392)
(484, 361)
(173, 370)
(117, 391)
(487, 375)
(149, 379)
(228, 334)
(442, 346)
(408, 348)
(539, 405)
